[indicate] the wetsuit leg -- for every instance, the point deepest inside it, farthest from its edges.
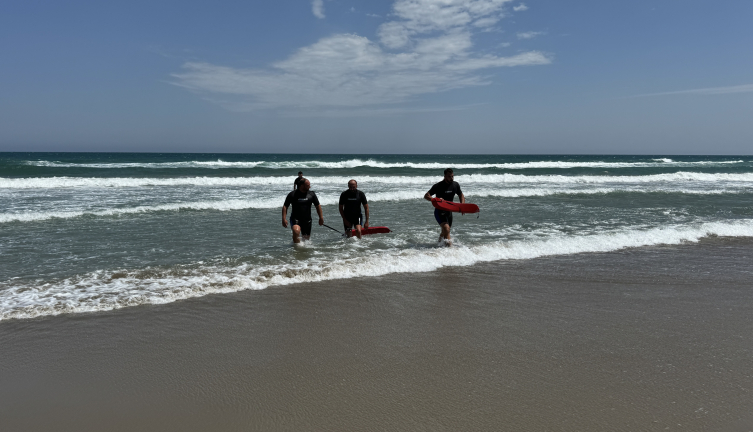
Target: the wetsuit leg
(305, 227)
(443, 217)
(354, 220)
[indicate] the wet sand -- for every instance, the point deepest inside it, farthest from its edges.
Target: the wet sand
(646, 339)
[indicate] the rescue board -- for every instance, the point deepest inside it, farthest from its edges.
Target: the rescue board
(372, 230)
(453, 206)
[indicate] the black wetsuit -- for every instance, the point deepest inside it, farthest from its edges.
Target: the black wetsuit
(352, 202)
(447, 192)
(301, 211)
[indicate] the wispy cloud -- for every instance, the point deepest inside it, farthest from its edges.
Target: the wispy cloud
(529, 35)
(426, 48)
(418, 17)
(745, 88)
(317, 7)
(520, 8)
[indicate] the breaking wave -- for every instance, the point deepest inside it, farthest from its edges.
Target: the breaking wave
(353, 163)
(490, 179)
(106, 290)
(325, 200)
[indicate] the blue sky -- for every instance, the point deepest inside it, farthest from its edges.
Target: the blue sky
(402, 76)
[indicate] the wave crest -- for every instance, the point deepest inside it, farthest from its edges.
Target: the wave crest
(107, 290)
(490, 179)
(329, 199)
(355, 163)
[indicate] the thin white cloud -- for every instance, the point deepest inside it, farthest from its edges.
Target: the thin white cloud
(745, 88)
(529, 35)
(486, 22)
(416, 17)
(520, 8)
(427, 49)
(317, 7)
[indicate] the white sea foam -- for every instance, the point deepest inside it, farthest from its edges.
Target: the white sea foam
(330, 199)
(488, 179)
(223, 205)
(157, 165)
(673, 178)
(353, 163)
(132, 182)
(106, 290)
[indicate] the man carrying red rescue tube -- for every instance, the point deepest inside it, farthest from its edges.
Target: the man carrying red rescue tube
(300, 216)
(350, 209)
(446, 189)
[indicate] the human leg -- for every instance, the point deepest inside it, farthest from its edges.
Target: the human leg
(445, 222)
(296, 233)
(306, 229)
(359, 225)
(353, 222)
(348, 227)
(445, 231)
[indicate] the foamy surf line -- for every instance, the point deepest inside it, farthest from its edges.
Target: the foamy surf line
(276, 203)
(364, 181)
(354, 163)
(108, 290)
(156, 165)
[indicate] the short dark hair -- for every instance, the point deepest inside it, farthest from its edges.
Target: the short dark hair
(300, 172)
(448, 171)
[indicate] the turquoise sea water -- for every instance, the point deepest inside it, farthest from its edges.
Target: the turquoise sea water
(84, 232)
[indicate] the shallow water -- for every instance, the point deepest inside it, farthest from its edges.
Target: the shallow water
(87, 232)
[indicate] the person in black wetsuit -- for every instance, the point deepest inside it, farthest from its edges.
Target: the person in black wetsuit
(350, 209)
(446, 189)
(298, 180)
(300, 216)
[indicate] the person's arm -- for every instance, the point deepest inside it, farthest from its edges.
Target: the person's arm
(319, 212)
(431, 192)
(341, 207)
(366, 208)
(462, 198)
(285, 216)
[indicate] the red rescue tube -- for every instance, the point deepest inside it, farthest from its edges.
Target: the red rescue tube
(372, 230)
(453, 206)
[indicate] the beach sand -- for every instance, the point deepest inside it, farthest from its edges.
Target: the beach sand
(655, 338)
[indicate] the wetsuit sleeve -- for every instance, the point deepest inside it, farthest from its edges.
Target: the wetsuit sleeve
(433, 190)
(342, 199)
(363, 198)
(457, 189)
(314, 199)
(288, 200)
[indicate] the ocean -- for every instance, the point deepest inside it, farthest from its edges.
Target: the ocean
(85, 232)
